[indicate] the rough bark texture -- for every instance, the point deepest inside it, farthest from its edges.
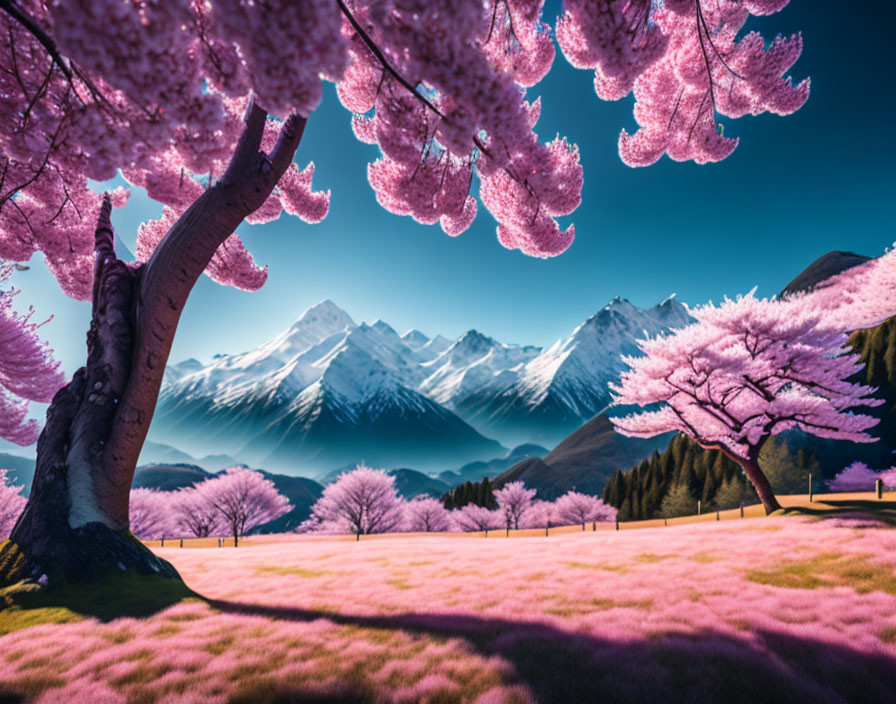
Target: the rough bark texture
(75, 524)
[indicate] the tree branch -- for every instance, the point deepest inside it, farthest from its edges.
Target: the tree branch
(178, 262)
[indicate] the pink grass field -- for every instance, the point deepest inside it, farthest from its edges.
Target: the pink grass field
(774, 610)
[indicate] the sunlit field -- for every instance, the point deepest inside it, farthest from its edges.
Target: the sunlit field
(793, 608)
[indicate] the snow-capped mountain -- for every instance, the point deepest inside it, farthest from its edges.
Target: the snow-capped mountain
(324, 393)
(328, 392)
(566, 384)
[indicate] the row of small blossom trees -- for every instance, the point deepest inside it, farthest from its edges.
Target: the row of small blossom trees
(231, 504)
(365, 501)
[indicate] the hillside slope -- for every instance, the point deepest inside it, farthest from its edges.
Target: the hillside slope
(585, 461)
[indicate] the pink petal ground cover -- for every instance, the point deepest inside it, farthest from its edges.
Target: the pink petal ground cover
(781, 609)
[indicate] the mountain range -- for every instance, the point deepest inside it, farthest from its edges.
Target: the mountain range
(328, 392)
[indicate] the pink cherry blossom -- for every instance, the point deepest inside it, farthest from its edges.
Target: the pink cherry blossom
(11, 504)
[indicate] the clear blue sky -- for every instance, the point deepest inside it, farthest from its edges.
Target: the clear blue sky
(794, 189)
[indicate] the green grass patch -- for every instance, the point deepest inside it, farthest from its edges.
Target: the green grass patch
(829, 569)
(597, 566)
(705, 557)
(26, 604)
(888, 635)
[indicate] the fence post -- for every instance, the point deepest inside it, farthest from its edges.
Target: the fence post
(617, 522)
(718, 518)
(665, 521)
(698, 507)
(594, 525)
(810, 487)
(181, 542)
(741, 509)
(879, 487)
(220, 543)
(163, 543)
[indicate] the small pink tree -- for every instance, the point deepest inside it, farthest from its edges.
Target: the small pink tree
(541, 514)
(472, 519)
(747, 370)
(27, 370)
(195, 514)
(856, 477)
(574, 508)
(514, 499)
(426, 515)
(889, 477)
(361, 502)
(11, 504)
(150, 514)
(244, 499)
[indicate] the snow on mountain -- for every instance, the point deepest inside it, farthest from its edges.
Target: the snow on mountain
(328, 390)
(567, 383)
(324, 391)
(472, 363)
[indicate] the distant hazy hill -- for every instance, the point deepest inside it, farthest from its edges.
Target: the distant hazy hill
(21, 469)
(584, 461)
(476, 471)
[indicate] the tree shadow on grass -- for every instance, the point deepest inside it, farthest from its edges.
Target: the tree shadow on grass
(565, 666)
(122, 594)
(866, 512)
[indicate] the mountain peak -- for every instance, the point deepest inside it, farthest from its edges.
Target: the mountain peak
(324, 311)
(414, 338)
(381, 326)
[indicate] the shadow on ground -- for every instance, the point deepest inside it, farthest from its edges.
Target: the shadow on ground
(566, 666)
(869, 510)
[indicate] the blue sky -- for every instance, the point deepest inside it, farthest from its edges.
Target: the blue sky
(794, 189)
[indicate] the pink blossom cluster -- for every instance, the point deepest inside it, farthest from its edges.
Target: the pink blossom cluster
(857, 298)
(231, 503)
(27, 369)
(795, 605)
(11, 504)
(748, 369)
(365, 501)
(859, 477)
(707, 69)
(156, 90)
(687, 65)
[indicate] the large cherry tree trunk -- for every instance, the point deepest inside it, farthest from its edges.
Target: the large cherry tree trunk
(760, 483)
(75, 524)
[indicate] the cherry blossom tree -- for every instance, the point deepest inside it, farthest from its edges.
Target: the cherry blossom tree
(856, 477)
(203, 104)
(426, 515)
(746, 370)
(150, 514)
(11, 504)
(540, 514)
(514, 500)
(889, 477)
(360, 502)
(473, 519)
(27, 370)
(244, 499)
(194, 513)
(573, 508)
(857, 298)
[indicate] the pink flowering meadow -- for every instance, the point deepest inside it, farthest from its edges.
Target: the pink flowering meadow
(777, 609)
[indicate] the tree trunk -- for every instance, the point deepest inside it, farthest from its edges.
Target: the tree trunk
(758, 479)
(75, 524)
